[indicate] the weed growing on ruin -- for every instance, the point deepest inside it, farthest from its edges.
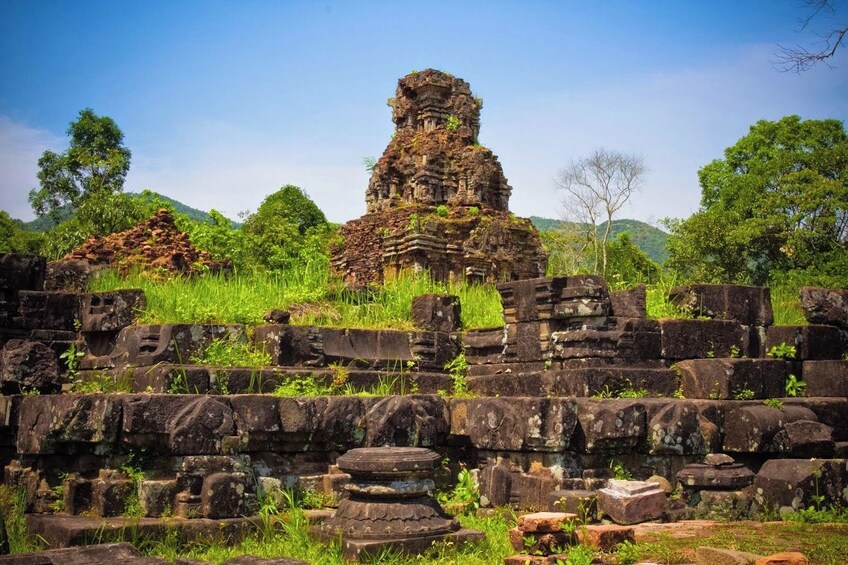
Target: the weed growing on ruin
(743, 394)
(619, 471)
(782, 351)
(458, 369)
(735, 352)
(628, 553)
(14, 537)
(786, 306)
(453, 123)
(101, 382)
(232, 351)
(627, 391)
(71, 357)
(442, 211)
(579, 555)
(795, 386)
(473, 211)
(774, 403)
(132, 505)
(465, 496)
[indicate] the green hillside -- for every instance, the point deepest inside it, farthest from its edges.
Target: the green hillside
(45, 223)
(649, 239)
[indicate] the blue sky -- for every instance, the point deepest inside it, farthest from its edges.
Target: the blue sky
(222, 103)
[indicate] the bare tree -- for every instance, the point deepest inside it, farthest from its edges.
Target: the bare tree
(596, 187)
(800, 58)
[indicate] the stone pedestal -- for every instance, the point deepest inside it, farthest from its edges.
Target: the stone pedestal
(389, 505)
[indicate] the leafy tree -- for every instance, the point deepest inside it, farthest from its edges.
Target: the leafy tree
(287, 228)
(777, 202)
(14, 238)
(96, 161)
(628, 265)
(595, 188)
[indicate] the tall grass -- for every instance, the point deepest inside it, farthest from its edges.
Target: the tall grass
(313, 297)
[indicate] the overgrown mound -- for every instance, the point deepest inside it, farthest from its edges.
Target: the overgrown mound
(156, 244)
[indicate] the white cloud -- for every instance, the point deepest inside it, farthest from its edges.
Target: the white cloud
(20, 148)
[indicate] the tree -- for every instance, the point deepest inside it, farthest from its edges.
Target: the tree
(800, 58)
(95, 162)
(286, 229)
(776, 203)
(596, 187)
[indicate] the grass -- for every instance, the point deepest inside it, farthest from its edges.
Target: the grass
(315, 298)
(285, 533)
(312, 296)
(823, 544)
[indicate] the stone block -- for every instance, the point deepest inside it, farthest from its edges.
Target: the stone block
(731, 476)
(49, 310)
(752, 428)
(407, 421)
(676, 430)
(828, 306)
(508, 384)
(608, 381)
(222, 495)
(111, 494)
(530, 490)
(609, 426)
(524, 341)
(157, 497)
(640, 339)
(544, 521)
(793, 482)
(484, 346)
(631, 303)
(830, 411)
(605, 537)
(177, 424)
(68, 424)
(517, 424)
(748, 305)
(257, 422)
(21, 272)
(732, 378)
(142, 345)
(496, 483)
(436, 312)
(632, 502)
(110, 311)
(277, 317)
(805, 438)
(28, 366)
(432, 350)
(579, 502)
(811, 342)
(826, 378)
(584, 343)
(699, 339)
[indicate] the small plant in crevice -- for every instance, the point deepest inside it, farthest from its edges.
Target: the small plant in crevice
(619, 471)
(452, 123)
(442, 211)
(71, 356)
(744, 393)
(465, 495)
(782, 351)
(774, 403)
(232, 351)
(794, 386)
(458, 370)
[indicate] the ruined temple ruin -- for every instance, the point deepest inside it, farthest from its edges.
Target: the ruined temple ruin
(437, 200)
